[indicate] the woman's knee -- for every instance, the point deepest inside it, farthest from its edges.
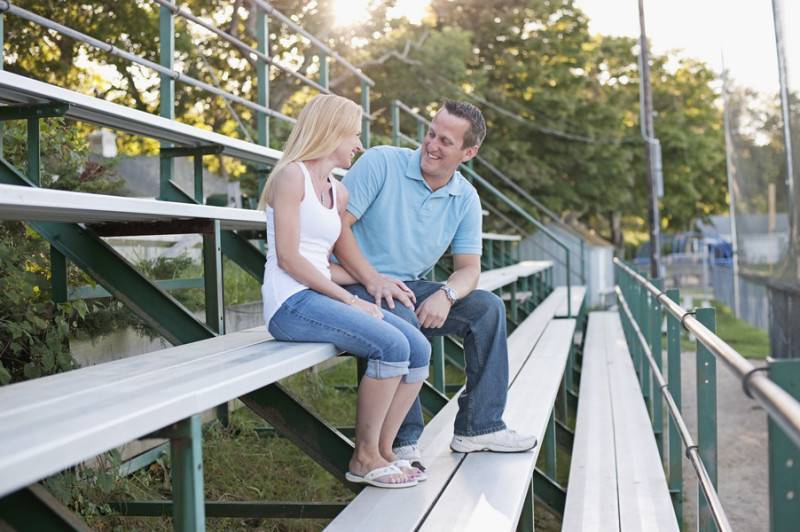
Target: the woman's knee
(390, 355)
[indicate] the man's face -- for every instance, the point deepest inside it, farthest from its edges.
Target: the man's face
(442, 149)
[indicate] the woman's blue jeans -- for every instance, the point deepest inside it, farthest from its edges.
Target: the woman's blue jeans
(480, 319)
(391, 346)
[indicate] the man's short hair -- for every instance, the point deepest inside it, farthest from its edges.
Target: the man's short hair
(477, 125)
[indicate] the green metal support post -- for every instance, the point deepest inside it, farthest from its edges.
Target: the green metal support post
(525, 523)
(438, 378)
(58, 272)
(707, 416)
(167, 91)
(365, 120)
(784, 456)
(186, 452)
(549, 447)
(675, 480)
(657, 318)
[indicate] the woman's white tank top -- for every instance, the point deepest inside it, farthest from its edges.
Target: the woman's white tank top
(319, 230)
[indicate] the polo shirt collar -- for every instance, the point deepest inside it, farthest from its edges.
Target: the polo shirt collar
(454, 187)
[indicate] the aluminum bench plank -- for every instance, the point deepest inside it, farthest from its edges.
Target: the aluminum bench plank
(644, 501)
(578, 294)
(402, 510)
(592, 490)
(42, 204)
(488, 490)
(526, 267)
(16, 89)
(43, 442)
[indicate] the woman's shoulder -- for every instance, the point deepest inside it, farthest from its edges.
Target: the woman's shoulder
(289, 179)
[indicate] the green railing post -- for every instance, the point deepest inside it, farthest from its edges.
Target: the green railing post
(784, 456)
(648, 333)
(188, 508)
(395, 109)
(707, 416)
(513, 303)
(421, 131)
(166, 92)
(675, 480)
(324, 70)
(262, 72)
(490, 254)
(657, 318)
(365, 120)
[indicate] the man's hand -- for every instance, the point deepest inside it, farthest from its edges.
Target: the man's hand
(389, 289)
(433, 312)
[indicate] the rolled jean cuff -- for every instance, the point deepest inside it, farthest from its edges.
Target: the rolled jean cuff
(380, 369)
(480, 432)
(416, 375)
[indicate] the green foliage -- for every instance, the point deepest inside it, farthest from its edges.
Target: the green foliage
(86, 489)
(65, 163)
(33, 331)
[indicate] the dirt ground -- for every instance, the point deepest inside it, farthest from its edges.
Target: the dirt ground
(742, 447)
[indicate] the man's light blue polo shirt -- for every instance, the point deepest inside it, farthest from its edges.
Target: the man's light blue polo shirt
(403, 227)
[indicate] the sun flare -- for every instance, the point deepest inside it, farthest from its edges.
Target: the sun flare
(353, 12)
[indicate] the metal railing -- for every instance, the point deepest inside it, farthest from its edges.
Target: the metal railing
(643, 307)
(422, 124)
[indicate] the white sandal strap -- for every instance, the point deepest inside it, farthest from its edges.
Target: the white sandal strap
(402, 463)
(382, 472)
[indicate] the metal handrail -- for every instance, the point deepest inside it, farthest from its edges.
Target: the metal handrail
(8, 7)
(271, 11)
(505, 199)
(779, 404)
(183, 12)
(692, 450)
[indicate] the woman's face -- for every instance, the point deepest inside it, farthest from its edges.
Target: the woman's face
(347, 149)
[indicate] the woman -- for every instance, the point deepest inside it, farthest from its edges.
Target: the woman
(303, 299)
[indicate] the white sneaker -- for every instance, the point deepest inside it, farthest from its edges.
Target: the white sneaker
(502, 441)
(412, 454)
(408, 452)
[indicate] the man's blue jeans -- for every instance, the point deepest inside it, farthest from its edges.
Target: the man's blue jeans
(480, 320)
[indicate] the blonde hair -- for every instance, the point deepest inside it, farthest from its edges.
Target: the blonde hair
(320, 127)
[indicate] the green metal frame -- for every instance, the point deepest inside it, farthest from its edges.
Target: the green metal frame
(784, 456)
(707, 416)
(35, 509)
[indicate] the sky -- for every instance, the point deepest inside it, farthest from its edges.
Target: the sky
(702, 29)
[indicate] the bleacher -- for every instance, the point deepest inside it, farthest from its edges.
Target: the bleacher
(588, 384)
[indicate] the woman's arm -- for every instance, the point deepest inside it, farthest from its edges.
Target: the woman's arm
(287, 193)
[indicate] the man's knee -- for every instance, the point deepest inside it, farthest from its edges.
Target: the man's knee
(486, 303)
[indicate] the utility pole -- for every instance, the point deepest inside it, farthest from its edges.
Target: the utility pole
(652, 148)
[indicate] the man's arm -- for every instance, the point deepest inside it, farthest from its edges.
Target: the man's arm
(353, 261)
(433, 312)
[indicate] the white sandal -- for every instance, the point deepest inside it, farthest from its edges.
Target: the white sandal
(370, 478)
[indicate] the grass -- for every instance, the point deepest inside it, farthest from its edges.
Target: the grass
(749, 341)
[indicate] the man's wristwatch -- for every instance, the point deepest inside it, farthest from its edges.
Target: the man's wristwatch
(452, 295)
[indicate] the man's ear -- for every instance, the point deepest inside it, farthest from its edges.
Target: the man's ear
(471, 152)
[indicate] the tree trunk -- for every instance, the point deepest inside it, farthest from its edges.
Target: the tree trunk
(617, 238)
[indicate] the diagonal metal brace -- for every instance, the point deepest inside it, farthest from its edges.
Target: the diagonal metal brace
(316, 438)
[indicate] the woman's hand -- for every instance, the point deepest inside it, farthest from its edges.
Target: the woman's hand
(368, 308)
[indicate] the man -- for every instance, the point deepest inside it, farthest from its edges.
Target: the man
(405, 209)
